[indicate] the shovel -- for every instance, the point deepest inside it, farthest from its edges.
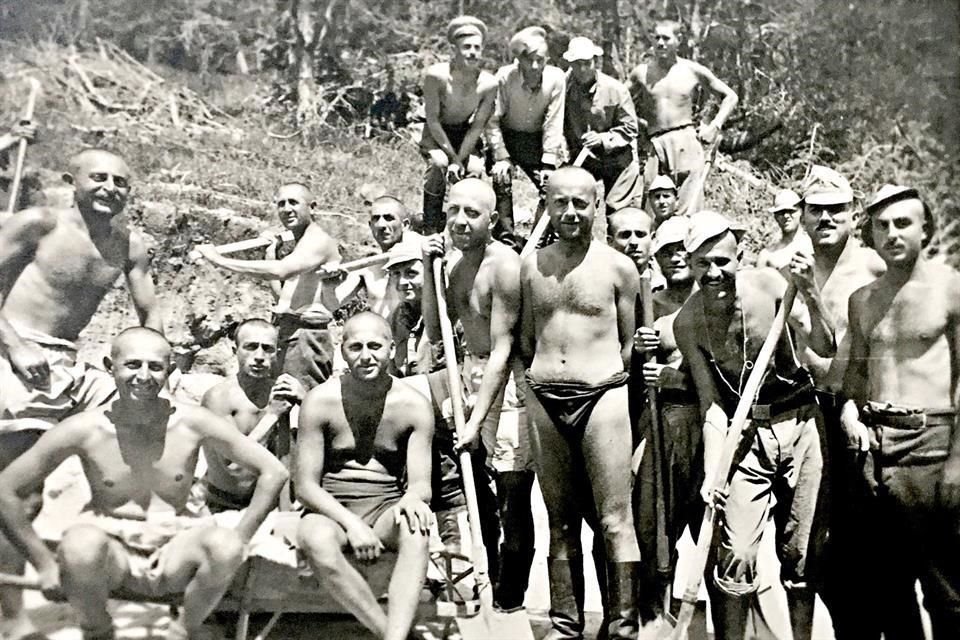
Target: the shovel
(487, 624)
(717, 476)
(22, 146)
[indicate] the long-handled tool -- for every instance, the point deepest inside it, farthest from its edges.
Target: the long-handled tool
(244, 245)
(22, 148)
(543, 220)
(719, 475)
(488, 623)
(701, 178)
(656, 443)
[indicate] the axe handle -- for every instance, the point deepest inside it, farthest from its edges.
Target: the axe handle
(354, 265)
(243, 245)
(22, 147)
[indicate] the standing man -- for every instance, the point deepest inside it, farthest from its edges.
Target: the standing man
(665, 91)
(599, 116)
(363, 477)
(57, 265)
(526, 129)
(484, 294)
(307, 301)
(138, 454)
(458, 98)
(577, 334)
(786, 212)
(662, 199)
(630, 231)
(901, 389)
(719, 331)
(243, 399)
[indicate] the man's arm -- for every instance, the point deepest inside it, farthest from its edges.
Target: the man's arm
(432, 250)
(227, 440)
(727, 105)
(625, 127)
(500, 106)
(504, 314)
(432, 88)
(553, 140)
(528, 327)
(488, 99)
(419, 449)
(811, 319)
(314, 250)
(140, 284)
(26, 472)
(19, 238)
(856, 375)
(627, 293)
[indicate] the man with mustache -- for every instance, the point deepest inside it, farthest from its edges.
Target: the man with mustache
(719, 332)
(665, 91)
(458, 98)
(841, 265)
(526, 129)
(57, 266)
(786, 212)
(579, 299)
(901, 385)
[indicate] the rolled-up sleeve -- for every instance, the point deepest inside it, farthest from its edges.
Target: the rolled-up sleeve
(624, 128)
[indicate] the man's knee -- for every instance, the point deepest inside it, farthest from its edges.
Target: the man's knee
(320, 542)
(616, 524)
(222, 547)
(83, 546)
(412, 540)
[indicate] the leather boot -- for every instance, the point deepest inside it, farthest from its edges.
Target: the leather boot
(503, 230)
(621, 609)
(434, 219)
(514, 579)
(566, 598)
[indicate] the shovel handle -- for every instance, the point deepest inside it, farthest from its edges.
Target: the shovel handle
(18, 582)
(243, 245)
(22, 146)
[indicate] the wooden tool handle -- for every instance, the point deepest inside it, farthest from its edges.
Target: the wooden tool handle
(355, 265)
(22, 147)
(244, 245)
(18, 582)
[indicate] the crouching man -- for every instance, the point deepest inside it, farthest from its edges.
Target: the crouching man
(359, 436)
(139, 453)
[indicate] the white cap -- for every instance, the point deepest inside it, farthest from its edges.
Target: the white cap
(581, 48)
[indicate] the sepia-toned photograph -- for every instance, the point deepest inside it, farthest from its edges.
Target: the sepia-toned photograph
(479, 320)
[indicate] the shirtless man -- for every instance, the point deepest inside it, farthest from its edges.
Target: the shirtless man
(577, 334)
(526, 129)
(307, 302)
(901, 385)
(841, 266)
(484, 294)
(662, 199)
(58, 264)
(719, 331)
(138, 454)
(362, 435)
(664, 91)
(458, 98)
(630, 231)
(243, 399)
(786, 210)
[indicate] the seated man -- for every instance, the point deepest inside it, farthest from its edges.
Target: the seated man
(359, 436)
(244, 399)
(138, 453)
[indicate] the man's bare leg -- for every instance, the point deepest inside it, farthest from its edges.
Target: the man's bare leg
(323, 541)
(409, 574)
(201, 563)
(91, 566)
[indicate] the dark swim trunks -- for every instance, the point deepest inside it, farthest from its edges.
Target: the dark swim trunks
(569, 404)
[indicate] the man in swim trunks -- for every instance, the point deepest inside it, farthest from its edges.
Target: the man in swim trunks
(243, 399)
(719, 331)
(306, 301)
(577, 334)
(58, 264)
(901, 385)
(526, 129)
(458, 98)
(664, 91)
(786, 210)
(138, 454)
(360, 436)
(599, 117)
(483, 290)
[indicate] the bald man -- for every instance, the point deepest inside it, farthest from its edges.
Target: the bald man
(138, 454)
(483, 290)
(307, 301)
(458, 98)
(577, 335)
(363, 477)
(57, 265)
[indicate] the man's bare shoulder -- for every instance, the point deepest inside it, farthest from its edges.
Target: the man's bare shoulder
(221, 394)
(505, 260)
(439, 71)
(866, 258)
(32, 223)
(410, 401)
(765, 279)
(623, 265)
(486, 83)
(688, 323)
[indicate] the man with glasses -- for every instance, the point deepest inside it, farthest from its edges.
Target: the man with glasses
(526, 129)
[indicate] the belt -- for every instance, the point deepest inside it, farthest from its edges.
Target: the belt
(677, 397)
(912, 419)
(798, 400)
(670, 130)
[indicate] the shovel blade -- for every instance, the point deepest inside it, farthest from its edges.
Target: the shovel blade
(490, 624)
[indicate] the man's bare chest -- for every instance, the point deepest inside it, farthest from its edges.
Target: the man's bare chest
(580, 292)
(914, 319)
(68, 259)
(676, 85)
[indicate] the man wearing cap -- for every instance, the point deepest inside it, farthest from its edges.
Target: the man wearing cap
(679, 413)
(412, 354)
(841, 266)
(526, 129)
(458, 98)
(786, 213)
(665, 90)
(901, 387)
(600, 118)
(576, 334)
(662, 199)
(719, 332)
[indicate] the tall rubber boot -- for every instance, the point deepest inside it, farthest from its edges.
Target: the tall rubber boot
(503, 230)
(600, 565)
(514, 579)
(621, 611)
(566, 598)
